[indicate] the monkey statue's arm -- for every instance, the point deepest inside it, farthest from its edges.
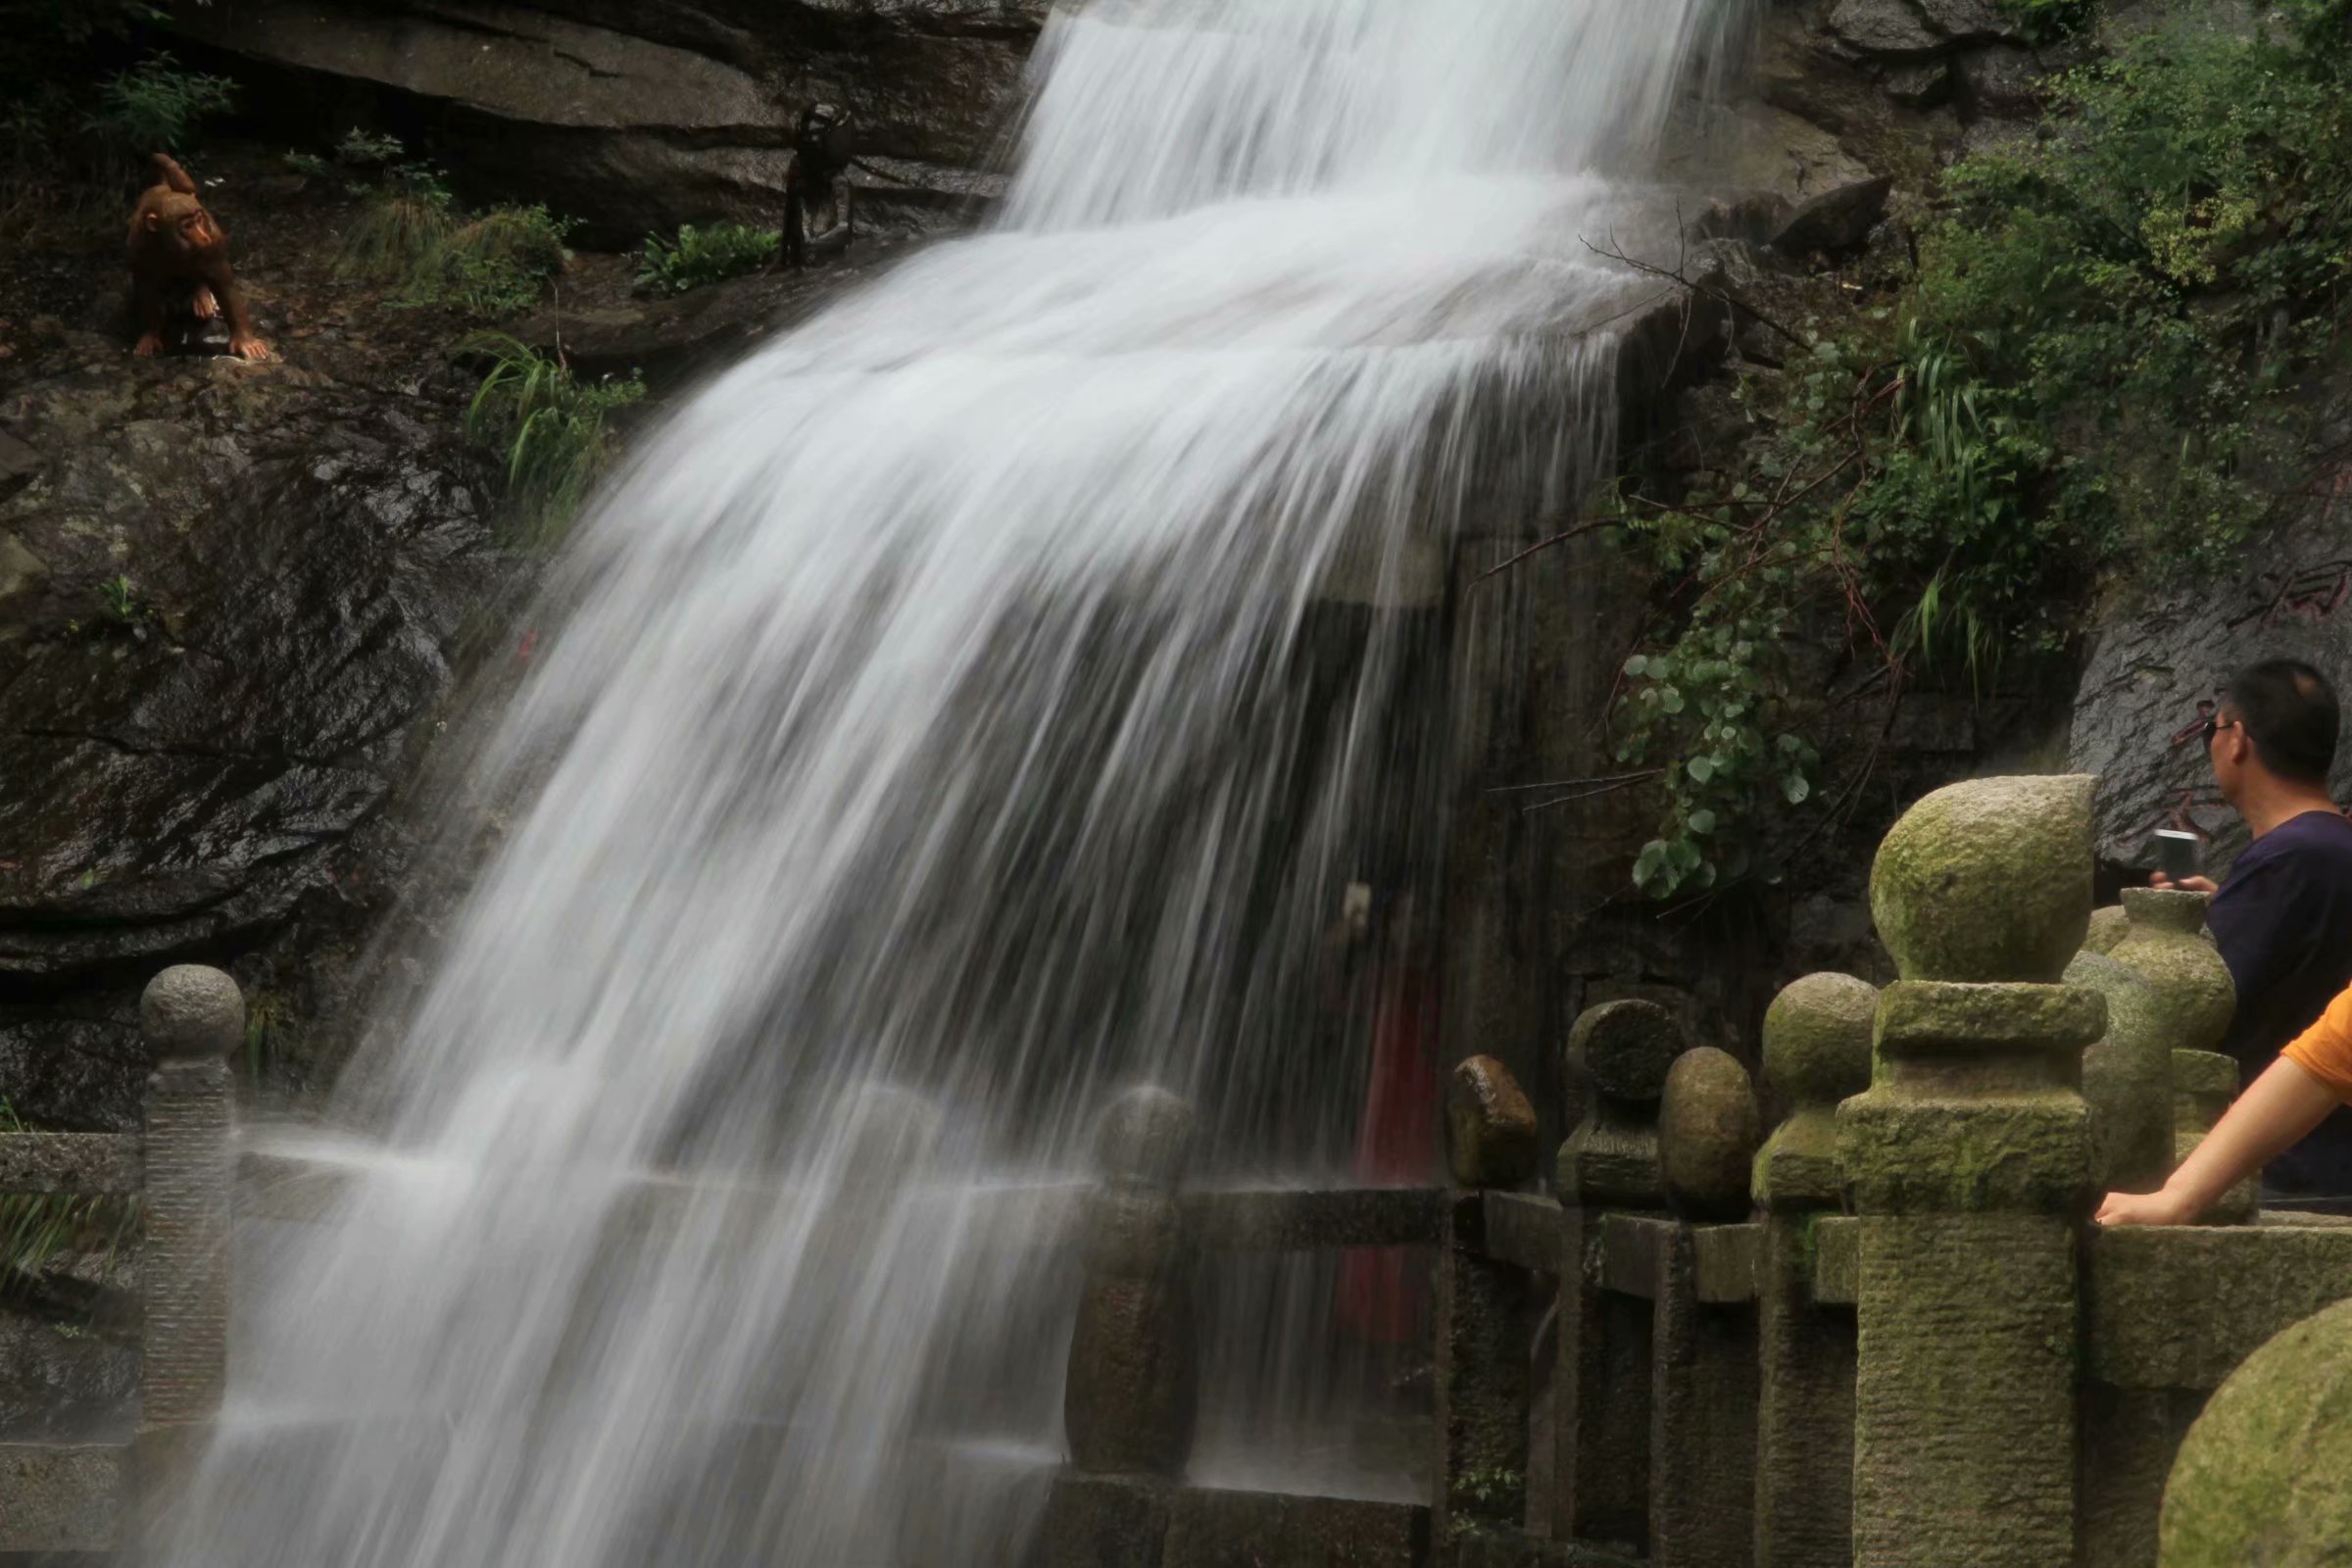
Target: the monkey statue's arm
(147, 308)
(243, 340)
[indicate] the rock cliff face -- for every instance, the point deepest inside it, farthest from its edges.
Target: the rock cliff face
(230, 597)
(635, 117)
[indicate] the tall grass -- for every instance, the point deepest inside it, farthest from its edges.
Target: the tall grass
(408, 233)
(552, 429)
(38, 1228)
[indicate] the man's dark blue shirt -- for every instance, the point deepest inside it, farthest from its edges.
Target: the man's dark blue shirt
(2284, 925)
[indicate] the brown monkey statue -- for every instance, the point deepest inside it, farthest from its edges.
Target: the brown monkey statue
(179, 256)
(818, 216)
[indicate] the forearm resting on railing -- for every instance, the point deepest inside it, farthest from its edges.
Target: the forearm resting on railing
(2274, 1113)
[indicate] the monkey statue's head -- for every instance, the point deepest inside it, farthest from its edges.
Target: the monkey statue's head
(827, 137)
(181, 222)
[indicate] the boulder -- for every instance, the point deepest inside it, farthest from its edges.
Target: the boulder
(636, 118)
(1839, 219)
(1894, 27)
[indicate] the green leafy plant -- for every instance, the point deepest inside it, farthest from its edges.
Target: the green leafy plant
(362, 149)
(2100, 357)
(704, 255)
(157, 104)
(121, 601)
(553, 430)
(495, 264)
(38, 1228)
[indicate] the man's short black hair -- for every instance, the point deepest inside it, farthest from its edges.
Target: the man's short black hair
(2290, 713)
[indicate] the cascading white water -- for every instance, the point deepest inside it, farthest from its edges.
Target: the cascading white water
(946, 729)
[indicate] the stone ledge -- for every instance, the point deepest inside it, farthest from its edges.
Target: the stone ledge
(59, 1496)
(2181, 1308)
(1632, 1250)
(1107, 1520)
(80, 1163)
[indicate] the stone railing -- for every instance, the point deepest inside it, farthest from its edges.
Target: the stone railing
(96, 1495)
(1880, 1332)
(1884, 1335)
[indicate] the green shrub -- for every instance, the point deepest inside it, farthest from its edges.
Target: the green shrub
(494, 263)
(397, 231)
(361, 149)
(2095, 374)
(705, 254)
(408, 234)
(552, 430)
(156, 105)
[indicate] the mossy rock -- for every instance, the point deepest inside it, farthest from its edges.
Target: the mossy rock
(2263, 1479)
(1989, 880)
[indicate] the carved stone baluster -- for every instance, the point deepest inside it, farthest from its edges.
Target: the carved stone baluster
(1816, 1054)
(1131, 1401)
(1702, 1482)
(1621, 1051)
(1483, 1316)
(1968, 1160)
(192, 1017)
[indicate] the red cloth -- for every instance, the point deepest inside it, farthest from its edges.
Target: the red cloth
(1381, 1296)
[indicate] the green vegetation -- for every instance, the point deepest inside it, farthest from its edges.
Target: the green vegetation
(710, 253)
(37, 1229)
(156, 105)
(552, 429)
(408, 233)
(2101, 369)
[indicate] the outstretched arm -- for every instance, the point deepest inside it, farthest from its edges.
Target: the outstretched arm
(242, 342)
(2275, 1113)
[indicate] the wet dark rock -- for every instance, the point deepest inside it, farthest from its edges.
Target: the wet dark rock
(676, 336)
(2159, 654)
(635, 118)
(1885, 27)
(244, 583)
(1834, 221)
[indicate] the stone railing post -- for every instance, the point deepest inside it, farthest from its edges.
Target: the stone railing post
(1702, 1454)
(1968, 1160)
(1131, 1400)
(2204, 1083)
(1621, 1052)
(1482, 1318)
(1816, 1054)
(193, 1018)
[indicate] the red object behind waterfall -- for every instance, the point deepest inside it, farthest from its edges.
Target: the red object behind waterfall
(1384, 1298)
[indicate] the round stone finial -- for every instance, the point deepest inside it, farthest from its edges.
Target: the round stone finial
(2265, 1475)
(1146, 1138)
(191, 1011)
(1492, 1125)
(1625, 1047)
(1988, 880)
(1708, 1130)
(2174, 909)
(2107, 923)
(1817, 1039)
(2193, 989)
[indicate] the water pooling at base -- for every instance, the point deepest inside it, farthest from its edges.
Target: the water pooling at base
(970, 704)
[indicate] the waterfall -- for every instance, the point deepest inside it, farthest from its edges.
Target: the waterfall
(973, 702)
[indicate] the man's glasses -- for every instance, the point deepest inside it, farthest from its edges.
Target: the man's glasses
(2214, 725)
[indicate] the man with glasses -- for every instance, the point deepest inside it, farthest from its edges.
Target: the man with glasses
(2283, 919)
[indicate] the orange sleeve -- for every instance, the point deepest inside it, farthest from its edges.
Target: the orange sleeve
(2324, 1050)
